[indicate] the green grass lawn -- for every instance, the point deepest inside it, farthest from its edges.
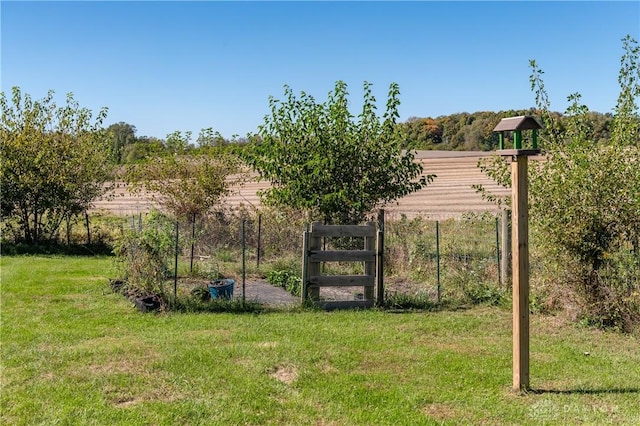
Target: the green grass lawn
(74, 353)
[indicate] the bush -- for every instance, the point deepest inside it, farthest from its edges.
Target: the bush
(419, 300)
(144, 255)
(286, 279)
(470, 283)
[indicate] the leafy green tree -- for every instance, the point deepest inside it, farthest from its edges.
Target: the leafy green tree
(120, 135)
(585, 199)
(422, 133)
(55, 161)
(317, 157)
(178, 142)
(208, 138)
(474, 131)
(144, 147)
(626, 125)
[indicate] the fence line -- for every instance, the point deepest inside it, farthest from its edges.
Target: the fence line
(446, 259)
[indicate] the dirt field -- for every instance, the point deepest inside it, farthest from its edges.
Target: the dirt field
(450, 194)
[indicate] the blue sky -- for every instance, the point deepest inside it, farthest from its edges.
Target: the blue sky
(165, 66)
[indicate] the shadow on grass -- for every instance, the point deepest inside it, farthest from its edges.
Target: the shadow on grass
(584, 391)
(53, 248)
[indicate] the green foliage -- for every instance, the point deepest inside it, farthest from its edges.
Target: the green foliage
(287, 279)
(201, 293)
(186, 185)
(232, 306)
(145, 255)
(55, 161)
(120, 136)
(474, 131)
(585, 196)
(177, 142)
(319, 159)
(143, 148)
(208, 139)
(626, 124)
(422, 133)
(419, 301)
(586, 200)
(469, 283)
(497, 169)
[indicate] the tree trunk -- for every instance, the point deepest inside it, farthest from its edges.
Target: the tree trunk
(86, 218)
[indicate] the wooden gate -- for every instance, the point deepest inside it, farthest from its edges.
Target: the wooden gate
(371, 254)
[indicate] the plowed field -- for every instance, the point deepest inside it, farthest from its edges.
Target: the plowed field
(450, 194)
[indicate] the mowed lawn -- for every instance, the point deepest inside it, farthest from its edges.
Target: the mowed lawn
(75, 353)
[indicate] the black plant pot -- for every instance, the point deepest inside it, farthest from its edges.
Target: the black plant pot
(118, 286)
(147, 304)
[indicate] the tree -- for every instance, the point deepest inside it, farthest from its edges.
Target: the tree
(143, 147)
(318, 158)
(626, 124)
(585, 199)
(186, 185)
(120, 135)
(208, 138)
(422, 133)
(177, 142)
(55, 162)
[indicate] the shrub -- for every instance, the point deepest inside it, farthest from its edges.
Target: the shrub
(286, 279)
(144, 255)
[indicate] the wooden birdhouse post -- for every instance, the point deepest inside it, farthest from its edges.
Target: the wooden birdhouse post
(520, 238)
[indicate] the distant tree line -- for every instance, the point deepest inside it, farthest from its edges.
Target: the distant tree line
(127, 148)
(474, 131)
(455, 132)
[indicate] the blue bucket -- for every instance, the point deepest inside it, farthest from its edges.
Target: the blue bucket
(221, 289)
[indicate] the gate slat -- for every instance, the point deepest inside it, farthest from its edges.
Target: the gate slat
(344, 304)
(321, 230)
(342, 255)
(342, 280)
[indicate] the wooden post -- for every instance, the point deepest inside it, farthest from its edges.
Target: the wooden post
(380, 260)
(520, 240)
(369, 267)
(505, 259)
(520, 272)
(305, 264)
(315, 244)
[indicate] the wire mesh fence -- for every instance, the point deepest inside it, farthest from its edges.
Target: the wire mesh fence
(452, 260)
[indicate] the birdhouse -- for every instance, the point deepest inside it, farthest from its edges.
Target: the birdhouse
(520, 243)
(517, 125)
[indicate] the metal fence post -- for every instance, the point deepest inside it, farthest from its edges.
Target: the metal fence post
(175, 268)
(244, 268)
(259, 240)
(505, 266)
(193, 238)
(438, 258)
(498, 253)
